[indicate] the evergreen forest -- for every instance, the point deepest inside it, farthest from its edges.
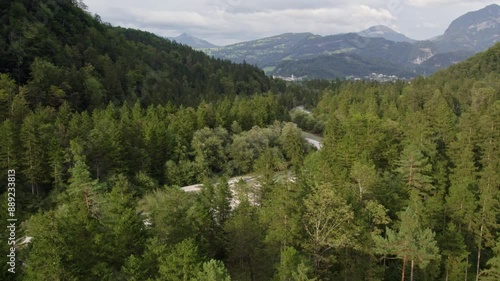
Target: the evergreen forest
(104, 126)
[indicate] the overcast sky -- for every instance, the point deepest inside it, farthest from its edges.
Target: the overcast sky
(224, 22)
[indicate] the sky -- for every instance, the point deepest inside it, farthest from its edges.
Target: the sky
(224, 22)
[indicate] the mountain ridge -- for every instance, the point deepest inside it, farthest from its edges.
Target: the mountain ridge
(193, 41)
(382, 31)
(374, 46)
(475, 31)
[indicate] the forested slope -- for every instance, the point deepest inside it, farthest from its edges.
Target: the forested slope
(63, 53)
(407, 176)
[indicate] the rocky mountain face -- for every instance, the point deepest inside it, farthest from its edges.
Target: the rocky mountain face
(378, 48)
(474, 31)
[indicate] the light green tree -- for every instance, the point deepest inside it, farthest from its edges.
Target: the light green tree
(182, 263)
(329, 224)
(213, 270)
(293, 266)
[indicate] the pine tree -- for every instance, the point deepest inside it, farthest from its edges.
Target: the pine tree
(488, 184)
(454, 252)
(213, 270)
(182, 263)
(44, 261)
(246, 258)
(125, 234)
(411, 243)
(493, 271)
(281, 214)
(8, 149)
(293, 266)
(34, 151)
(209, 213)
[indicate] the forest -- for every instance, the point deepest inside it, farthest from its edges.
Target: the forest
(104, 126)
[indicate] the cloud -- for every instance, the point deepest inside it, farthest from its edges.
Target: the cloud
(229, 21)
(428, 3)
(246, 22)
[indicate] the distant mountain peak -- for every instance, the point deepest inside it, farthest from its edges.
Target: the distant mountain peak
(476, 30)
(193, 42)
(382, 31)
(489, 15)
(493, 6)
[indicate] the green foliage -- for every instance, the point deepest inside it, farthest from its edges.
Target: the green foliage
(213, 270)
(328, 220)
(293, 266)
(66, 54)
(493, 271)
(103, 126)
(167, 212)
(245, 248)
(182, 263)
(210, 146)
(411, 242)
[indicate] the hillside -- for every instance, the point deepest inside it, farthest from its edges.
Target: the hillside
(355, 65)
(476, 67)
(57, 46)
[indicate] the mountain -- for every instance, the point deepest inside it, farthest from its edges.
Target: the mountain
(381, 31)
(345, 65)
(475, 31)
(264, 53)
(378, 48)
(193, 42)
(282, 54)
(442, 60)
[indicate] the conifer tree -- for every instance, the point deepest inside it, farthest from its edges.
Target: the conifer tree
(213, 270)
(410, 243)
(493, 271)
(182, 263)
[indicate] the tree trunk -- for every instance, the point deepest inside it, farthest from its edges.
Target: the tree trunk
(360, 191)
(479, 253)
(411, 272)
(466, 267)
(345, 264)
(404, 266)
